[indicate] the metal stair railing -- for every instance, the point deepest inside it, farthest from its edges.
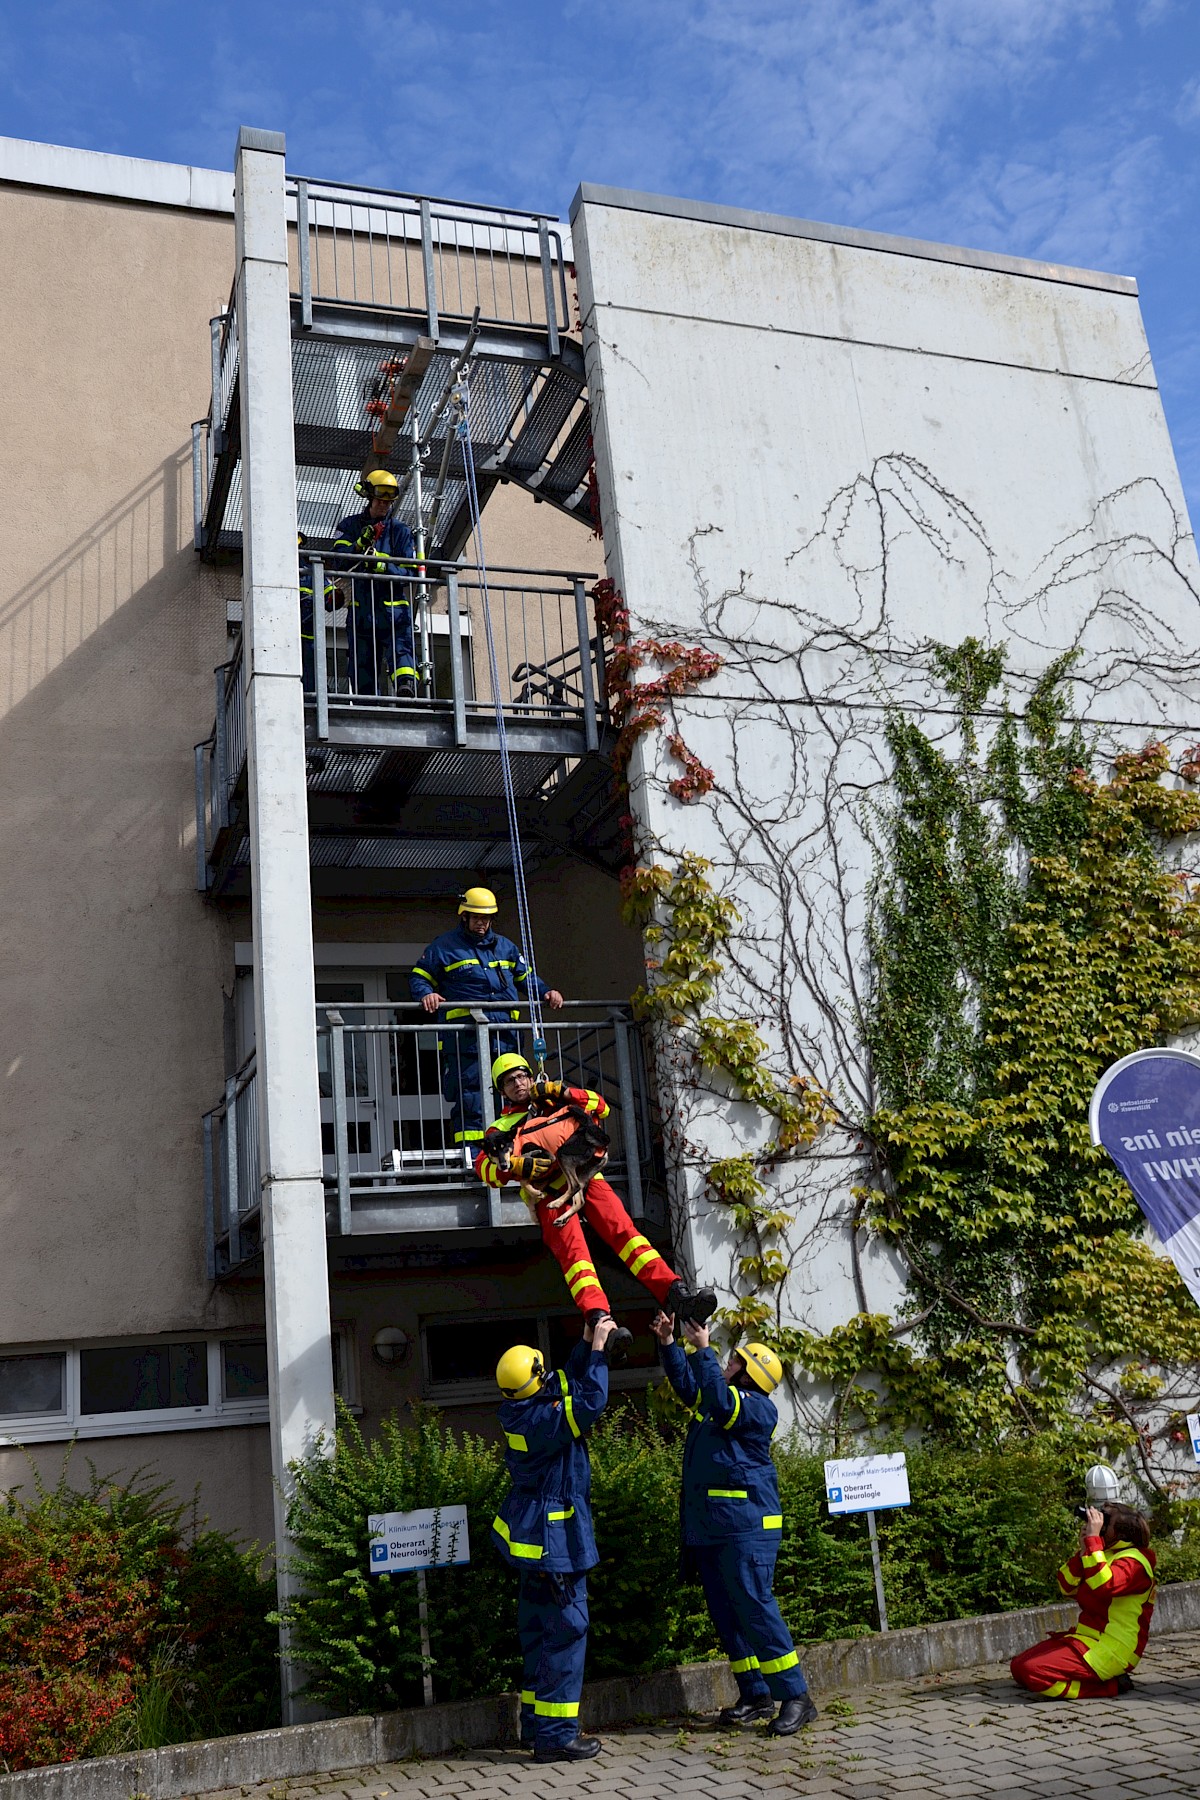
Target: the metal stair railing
(232, 1185)
(409, 252)
(381, 1064)
(590, 1045)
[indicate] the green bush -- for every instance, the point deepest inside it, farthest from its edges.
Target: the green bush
(357, 1634)
(985, 1533)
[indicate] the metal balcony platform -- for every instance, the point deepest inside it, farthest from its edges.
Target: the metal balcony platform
(406, 792)
(380, 1077)
(378, 276)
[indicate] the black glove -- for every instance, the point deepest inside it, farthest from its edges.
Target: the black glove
(531, 1168)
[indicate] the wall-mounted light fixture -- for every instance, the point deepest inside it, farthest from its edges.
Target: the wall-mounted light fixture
(391, 1346)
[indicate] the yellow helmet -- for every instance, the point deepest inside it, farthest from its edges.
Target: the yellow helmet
(762, 1366)
(504, 1065)
(378, 481)
(477, 900)
(520, 1372)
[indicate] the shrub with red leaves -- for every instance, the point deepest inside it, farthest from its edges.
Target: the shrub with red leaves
(119, 1631)
(73, 1625)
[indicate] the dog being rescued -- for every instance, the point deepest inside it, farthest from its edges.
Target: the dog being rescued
(550, 1139)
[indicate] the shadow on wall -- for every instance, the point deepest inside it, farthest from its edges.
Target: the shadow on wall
(87, 583)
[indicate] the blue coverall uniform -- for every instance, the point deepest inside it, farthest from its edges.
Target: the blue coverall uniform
(544, 1529)
(732, 1521)
(381, 620)
(486, 972)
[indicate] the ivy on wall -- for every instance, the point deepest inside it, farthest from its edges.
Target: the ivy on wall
(684, 924)
(1027, 932)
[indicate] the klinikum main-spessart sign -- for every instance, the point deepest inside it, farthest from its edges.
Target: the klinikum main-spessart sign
(1145, 1111)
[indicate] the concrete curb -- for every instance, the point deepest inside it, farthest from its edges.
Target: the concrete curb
(315, 1749)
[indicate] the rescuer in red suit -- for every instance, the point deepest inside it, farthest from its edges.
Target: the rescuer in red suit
(1112, 1577)
(537, 1117)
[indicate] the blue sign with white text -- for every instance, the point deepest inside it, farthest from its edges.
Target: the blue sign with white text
(1145, 1111)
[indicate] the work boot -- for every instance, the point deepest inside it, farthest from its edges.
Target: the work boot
(747, 1712)
(580, 1749)
(696, 1304)
(1125, 1684)
(619, 1344)
(792, 1715)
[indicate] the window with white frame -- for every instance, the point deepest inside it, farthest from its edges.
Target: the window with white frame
(459, 1352)
(114, 1389)
(180, 1384)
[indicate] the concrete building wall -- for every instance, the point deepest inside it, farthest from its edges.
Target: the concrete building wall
(817, 451)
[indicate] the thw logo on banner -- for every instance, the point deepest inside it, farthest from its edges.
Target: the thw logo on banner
(1145, 1112)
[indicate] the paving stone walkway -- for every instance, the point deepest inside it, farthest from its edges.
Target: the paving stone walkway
(945, 1737)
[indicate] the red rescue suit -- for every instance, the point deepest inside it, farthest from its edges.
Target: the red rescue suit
(1115, 1589)
(535, 1132)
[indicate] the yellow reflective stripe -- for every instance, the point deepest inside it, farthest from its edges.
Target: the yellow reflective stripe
(779, 1663)
(568, 1403)
(498, 963)
(635, 1244)
(527, 1696)
(1100, 1576)
(466, 963)
(533, 1551)
(569, 1514)
(457, 1012)
(576, 1268)
(1055, 1689)
(521, 974)
(516, 1441)
(647, 1256)
(395, 602)
(1072, 1692)
(737, 1407)
(467, 1137)
(772, 1521)
(746, 1662)
(584, 1281)
(1092, 1559)
(556, 1709)
(423, 972)
(728, 1494)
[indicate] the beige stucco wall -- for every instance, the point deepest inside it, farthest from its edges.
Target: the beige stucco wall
(231, 1468)
(110, 1040)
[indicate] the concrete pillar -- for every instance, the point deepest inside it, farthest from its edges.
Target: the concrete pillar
(289, 1129)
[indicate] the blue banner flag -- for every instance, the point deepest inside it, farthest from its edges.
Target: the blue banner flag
(1146, 1113)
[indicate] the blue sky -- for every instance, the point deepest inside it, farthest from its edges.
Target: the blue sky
(1066, 129)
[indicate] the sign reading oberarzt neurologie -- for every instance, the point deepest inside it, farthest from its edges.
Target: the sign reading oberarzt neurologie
(1146, 1113)
(866, 1483)
(426, 1539)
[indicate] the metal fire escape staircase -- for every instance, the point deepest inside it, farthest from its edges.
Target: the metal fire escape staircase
(391, 294)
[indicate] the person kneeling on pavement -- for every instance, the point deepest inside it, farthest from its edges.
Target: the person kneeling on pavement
(544, 1529)
(732, 1519)
(1112, 1576)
